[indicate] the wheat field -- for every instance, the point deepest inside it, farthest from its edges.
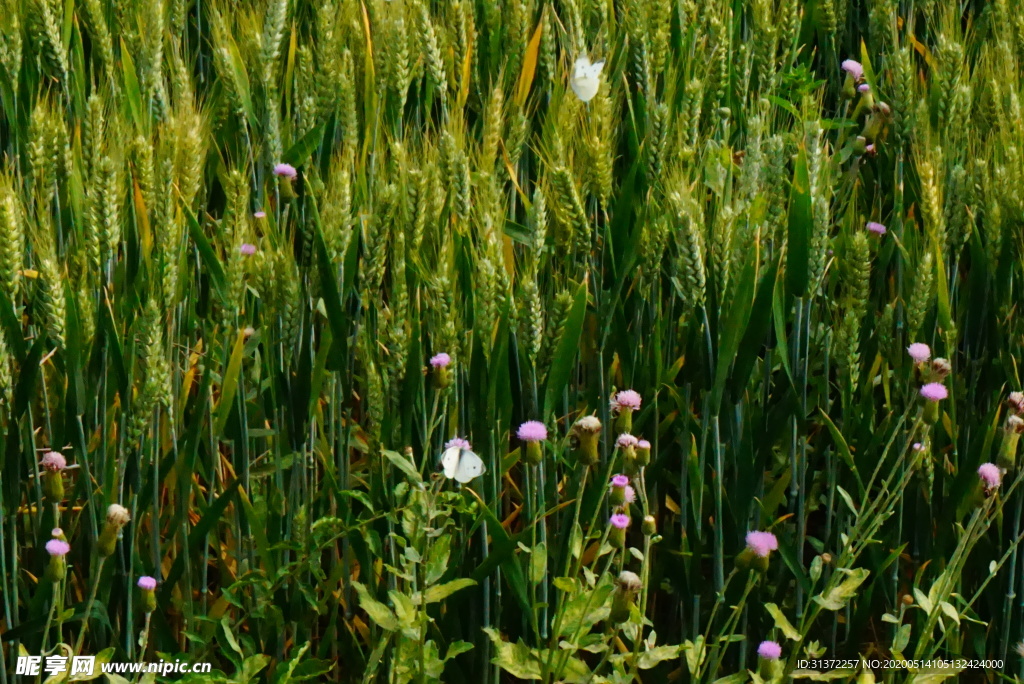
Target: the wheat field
(507, 340)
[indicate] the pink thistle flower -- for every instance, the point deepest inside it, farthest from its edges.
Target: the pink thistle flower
(147, 583)
(285, 171)
(934, 391)
(56, 532)
(919, 352)
(863, 88)
(990, 474)
(53, 461)
(56, 547)
(532, 431)
(870, 148)
(854, 68)
(630, 494)
(643, 444)
(875, 227)
(440, 360)
(769, 650)
(460, 442)
(620, 521)
(918, 446)
(260, 214)
(620, 481)
(626, 440)
(626, 399)
(762, 543)
(247, 249)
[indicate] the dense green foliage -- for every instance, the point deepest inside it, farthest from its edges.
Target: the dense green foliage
(241, 359)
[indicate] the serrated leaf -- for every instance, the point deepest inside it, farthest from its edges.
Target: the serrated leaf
(380, 614)
(839, 596)
(782, 622)
(585, 610)
(516, 659)
(442, 591)
(457, 647)
(652, 656)
(405, 611)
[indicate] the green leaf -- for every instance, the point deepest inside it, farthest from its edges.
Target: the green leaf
(378, 612)
(781, 622)
(251, 667)
(297, 154)
(443, 591)
(757, 330)
(652, 656)
(403, 464)
(586, 609)
(405, 610)
(839, 596)
(206, 253)
(515, 659)
(437, 558)
(456, 648)
(283, 673)
(844, 450)
(801, 224)
(565, 355)
(695, 652)
(816, 676)
(539, 563)
(732, 330)
(229, 385)
(131, 85)
(737, 678)
(901, 638)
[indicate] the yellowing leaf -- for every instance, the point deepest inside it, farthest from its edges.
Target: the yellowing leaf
(529, 64)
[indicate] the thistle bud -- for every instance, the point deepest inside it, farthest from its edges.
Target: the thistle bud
(442, 376)
(286, 173)
(587, 432)
(54, 465)
(1016, 402)
(931, 394)
(989, 477)
(759, 547)
(627, 586)
(649, 526)
(940, 369)
(117, 518)
(643, 453)
(1007, 458)
(533, 433)
(617, 534)
(622, 406)
(57, 568)
(147, 585)
(769, 652)
(617, 495)
(627, 444)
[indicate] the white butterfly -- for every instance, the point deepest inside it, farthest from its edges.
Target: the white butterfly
(461, 464)
(586, 78)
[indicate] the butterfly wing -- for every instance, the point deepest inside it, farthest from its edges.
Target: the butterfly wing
(586, 78)
(450, 461)
(470, 466)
